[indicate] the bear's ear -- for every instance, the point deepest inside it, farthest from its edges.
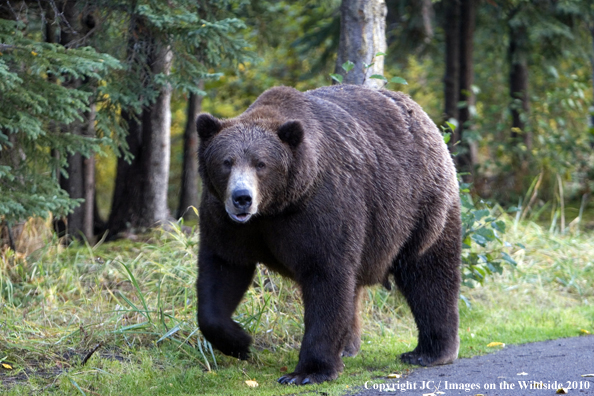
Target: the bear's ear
(291, 132)
(207, 126)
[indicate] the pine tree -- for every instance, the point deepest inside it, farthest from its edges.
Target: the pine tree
(34, 100)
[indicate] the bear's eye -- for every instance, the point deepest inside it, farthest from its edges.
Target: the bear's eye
(227, 162)
(261, 165)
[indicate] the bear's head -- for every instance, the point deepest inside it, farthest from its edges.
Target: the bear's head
(249, 166)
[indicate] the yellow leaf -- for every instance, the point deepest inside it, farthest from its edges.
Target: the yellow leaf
(562, 391)
(251, 384)
(7, 366)
(584, 331)
(33, 53)
(495, 344)
(394, 375)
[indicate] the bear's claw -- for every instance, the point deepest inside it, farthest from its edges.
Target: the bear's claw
(421, 359)
(304, 379)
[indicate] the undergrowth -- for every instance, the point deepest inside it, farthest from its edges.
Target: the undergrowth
(120, 317)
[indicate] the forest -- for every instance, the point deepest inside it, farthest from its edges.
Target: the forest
(99, 97)
(98, 164)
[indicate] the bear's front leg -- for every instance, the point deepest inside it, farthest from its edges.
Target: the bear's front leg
(328, 300)
(220, 288)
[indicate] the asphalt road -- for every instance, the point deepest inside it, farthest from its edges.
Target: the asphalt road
(538, 369)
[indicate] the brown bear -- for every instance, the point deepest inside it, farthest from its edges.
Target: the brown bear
(335, 188)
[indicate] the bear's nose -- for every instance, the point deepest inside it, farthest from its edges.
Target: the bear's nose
(242, 199)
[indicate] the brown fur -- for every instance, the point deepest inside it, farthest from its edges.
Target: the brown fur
(361, 186)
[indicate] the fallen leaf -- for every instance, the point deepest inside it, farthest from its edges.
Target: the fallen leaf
(251, 384)
(522, 373)
(495, 344)
(562, 391)
(7, 366)
(284, 369)
(587, 375)
(584, 331)
(394, 375)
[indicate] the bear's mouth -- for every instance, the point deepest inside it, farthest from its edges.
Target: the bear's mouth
(240, 217)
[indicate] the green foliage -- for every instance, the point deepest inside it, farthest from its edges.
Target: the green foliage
(557, 48)
(201, 35)
(297, 50)
(33, 149)
(483, 250)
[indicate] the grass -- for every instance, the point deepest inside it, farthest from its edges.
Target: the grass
(133, 304)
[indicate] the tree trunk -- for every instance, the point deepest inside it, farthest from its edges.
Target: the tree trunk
(189, 184)
(73, 184)
(452, 72)
(592, 57)
(427, 15)
(362, 36)
(518, 87)
(140, 194)
(88, 217)
(156, 138)
(466, 152)
(127, 192)
(518, 83)
(80, 183)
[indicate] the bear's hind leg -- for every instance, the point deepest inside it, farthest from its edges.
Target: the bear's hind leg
(220, 289)
(353, 344)
(431, 284)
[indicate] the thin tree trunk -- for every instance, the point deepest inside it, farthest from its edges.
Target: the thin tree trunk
(129, 179)
(80, 183)
(156, 136)
(189, 184)
(74, 183)
(362, 36)
(427, 14)
(452, 72)
(465, 156)
(518, 87)
(89, 182)
(592, 58)
(518, 82)
(140, 194)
